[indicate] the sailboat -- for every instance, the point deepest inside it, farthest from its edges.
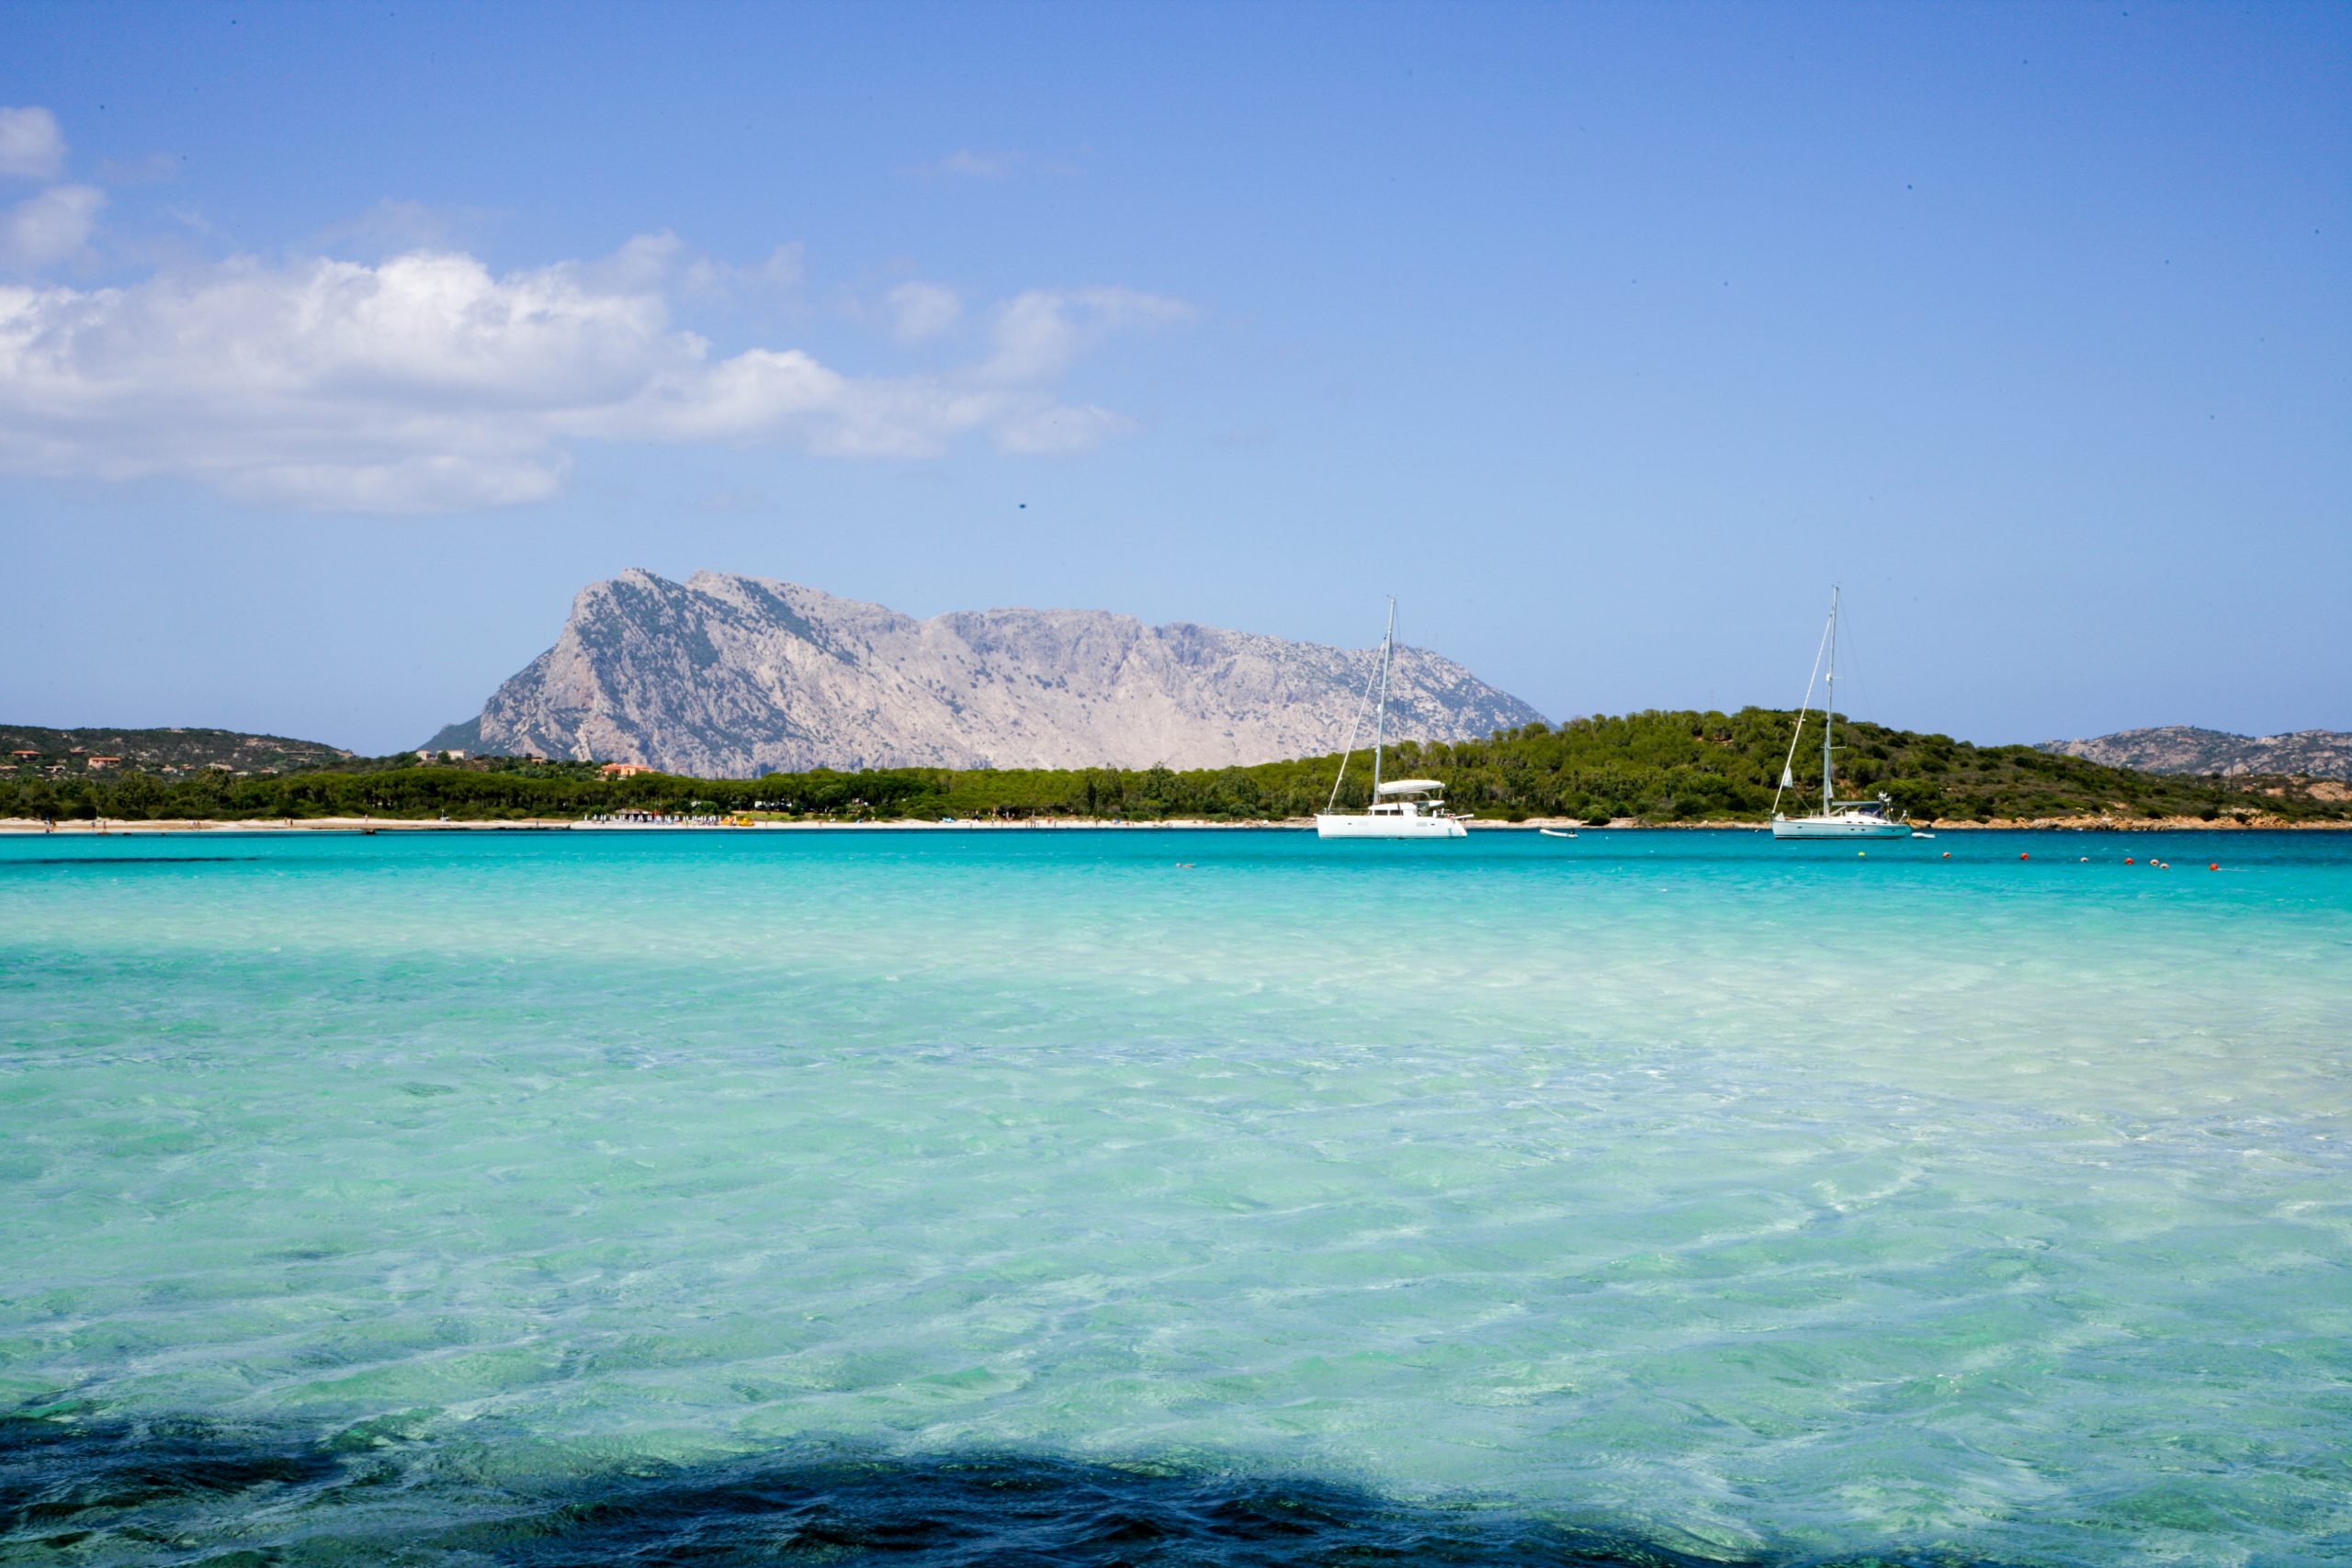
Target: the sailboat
(1836, 819)
(1401, 808)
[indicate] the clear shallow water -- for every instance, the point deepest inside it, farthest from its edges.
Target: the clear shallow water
(555, 1198)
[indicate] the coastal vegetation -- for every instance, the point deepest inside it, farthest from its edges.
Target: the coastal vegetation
(1655, 767)
(164, 750)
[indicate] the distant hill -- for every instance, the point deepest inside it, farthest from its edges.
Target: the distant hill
(159, 751)
(731, 677)
(2183, 748)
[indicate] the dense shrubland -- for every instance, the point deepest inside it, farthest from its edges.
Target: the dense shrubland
(1663, 767)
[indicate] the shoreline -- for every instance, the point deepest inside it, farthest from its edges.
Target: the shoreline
(364, 825)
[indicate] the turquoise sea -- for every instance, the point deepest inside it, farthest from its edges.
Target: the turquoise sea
(1176, 1197)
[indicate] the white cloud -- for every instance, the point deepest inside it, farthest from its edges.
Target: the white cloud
(1042, 332)
(428, 383)
(44, 229)
(716, 282)
(920, 310)
(663, 262)
(392, 227)
(1047, 431)
(436, 482)
(967, 164)
(31, 147)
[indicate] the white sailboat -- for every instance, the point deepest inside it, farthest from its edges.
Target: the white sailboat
(1836, 819)
(1401, 808)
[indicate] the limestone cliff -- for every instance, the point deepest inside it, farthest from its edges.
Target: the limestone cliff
(725, 676)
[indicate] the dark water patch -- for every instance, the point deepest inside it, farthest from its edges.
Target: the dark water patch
(80, 1478)
(958, 1510)
(177, 1491)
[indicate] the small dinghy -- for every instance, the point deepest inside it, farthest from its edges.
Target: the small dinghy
(1557, 832)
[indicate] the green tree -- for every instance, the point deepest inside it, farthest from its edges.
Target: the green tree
(134, 795)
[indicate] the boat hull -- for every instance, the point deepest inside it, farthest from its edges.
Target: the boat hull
(1346, 826)
(1856, 826)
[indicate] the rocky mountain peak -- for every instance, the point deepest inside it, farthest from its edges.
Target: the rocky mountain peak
(726, 676)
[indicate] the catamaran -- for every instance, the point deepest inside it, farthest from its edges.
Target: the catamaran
(1401, 808)
(1836, 819)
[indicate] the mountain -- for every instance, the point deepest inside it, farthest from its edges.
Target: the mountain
(2183, 748)
(158, 750)
(723, 676)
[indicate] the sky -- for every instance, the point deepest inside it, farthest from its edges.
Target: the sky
(342, 346)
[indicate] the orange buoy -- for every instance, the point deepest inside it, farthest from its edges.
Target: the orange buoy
(2215, 866)
(2023, 856)
(2126, 860)
(1947, 854)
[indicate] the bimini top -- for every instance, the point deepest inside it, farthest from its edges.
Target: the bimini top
(1410, 787)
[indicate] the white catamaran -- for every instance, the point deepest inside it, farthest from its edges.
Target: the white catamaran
(1401, 808)
(1836, 819)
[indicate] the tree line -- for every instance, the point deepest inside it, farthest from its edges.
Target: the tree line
(1655, 766)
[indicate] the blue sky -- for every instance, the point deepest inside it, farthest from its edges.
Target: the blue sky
(339, 346)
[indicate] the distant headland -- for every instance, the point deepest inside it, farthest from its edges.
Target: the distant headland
(2184, 748)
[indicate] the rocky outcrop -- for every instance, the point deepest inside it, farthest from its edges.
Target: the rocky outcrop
(725, 676)
(2183, 748)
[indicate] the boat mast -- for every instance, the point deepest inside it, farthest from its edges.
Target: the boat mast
(1380, 721)
(1829, 704)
